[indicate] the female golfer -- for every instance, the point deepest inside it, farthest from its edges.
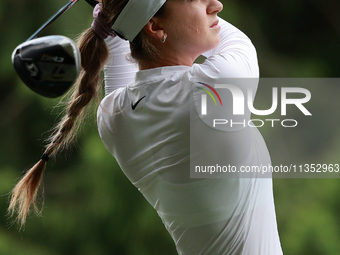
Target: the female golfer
(150, 122)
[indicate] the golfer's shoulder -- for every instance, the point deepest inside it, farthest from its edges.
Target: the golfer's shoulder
(112, 102)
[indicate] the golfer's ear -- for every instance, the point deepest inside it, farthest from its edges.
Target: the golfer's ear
(153, 29)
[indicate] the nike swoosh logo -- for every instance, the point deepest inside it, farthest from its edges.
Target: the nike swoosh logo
(133, 106)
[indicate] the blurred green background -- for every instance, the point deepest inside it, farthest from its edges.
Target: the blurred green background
(91, 208)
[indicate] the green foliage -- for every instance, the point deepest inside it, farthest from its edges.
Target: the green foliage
(91, 207)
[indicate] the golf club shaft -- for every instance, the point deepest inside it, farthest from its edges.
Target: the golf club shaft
(67, 6)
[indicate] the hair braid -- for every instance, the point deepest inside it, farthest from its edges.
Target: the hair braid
(94, 54)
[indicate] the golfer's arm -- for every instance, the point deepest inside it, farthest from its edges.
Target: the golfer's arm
(118, 71)
(235, 52)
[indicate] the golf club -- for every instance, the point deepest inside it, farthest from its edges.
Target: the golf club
(49, 65)
(53, 18)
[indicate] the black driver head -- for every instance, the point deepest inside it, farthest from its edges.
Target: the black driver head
(48, 65)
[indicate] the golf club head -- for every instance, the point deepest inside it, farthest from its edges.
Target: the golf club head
(48, 65)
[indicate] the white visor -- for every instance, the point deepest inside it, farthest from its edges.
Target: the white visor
(134, 17)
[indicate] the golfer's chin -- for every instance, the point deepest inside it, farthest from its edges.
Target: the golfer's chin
(217, 40)
(213, 42)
